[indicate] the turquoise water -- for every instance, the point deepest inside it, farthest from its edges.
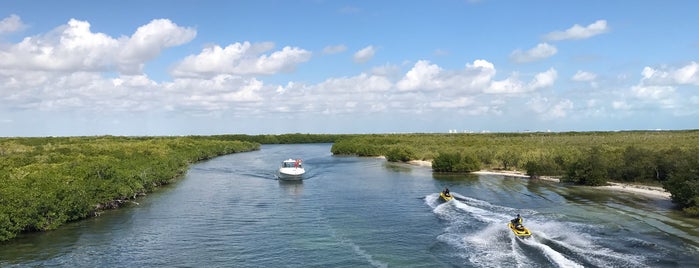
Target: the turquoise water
(231, 211)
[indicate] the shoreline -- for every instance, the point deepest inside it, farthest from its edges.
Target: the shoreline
(648, 191)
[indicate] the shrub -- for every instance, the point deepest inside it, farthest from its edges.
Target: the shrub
(588, 170)
(455, 162)
(400, 153)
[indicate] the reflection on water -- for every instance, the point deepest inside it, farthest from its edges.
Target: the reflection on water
(293, 188)
(465, 179)
(398, 167)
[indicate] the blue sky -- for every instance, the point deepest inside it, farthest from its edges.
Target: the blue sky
(267, 67)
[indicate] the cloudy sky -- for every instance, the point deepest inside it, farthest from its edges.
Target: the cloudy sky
(319, 66)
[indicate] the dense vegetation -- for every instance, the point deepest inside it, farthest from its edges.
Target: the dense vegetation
(45, 182)
(667, 158)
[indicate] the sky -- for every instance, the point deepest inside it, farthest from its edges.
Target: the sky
(176, 67)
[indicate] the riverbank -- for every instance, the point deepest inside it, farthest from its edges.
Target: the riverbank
(55, 180)
(648, 191)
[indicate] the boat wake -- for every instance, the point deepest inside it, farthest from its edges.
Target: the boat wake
(478, 230)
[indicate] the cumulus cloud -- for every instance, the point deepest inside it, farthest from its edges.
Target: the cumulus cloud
(11, 24)
(77, 91)
(687, 75)
(362, 93)
(426, 76)
(512, 84)
(652, 92)
(423, 75)
(222, 92)
(364, 54)
(148, 41)
(358, 84)
(334, 49)
(579, 32)
(241, 59)
(74, 47)
(544, 80)
(667, 87)
(541, 51)
(621, 105)
(454, 103)
(660, 85)
(550, 109)
(582, 76)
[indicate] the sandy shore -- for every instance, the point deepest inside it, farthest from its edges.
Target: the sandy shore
(649, 191)
(421, 163)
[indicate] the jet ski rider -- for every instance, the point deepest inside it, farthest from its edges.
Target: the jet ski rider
(446, 191)
(517, 222)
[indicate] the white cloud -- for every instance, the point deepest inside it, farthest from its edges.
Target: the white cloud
(582, 76)
(512, 84)
(362, 94)
(668, 87)
(541, 51)
(357, 84)
(364, 55)
(74, 47)
(240, 59)
(652, 92)
(483, 71)
(579, 32)
(560, 109)
(662, 83)
(687, 75)
(284, 60)
(454, 103)
(426, 76)
(621, 105)
(11, 24)
(422, 76)
(549, 109)
(334, 49)
(544, 80)
(148, 41)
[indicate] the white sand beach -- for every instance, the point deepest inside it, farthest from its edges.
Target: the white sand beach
(649, 191)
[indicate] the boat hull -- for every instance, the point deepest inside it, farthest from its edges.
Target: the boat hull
(292, 174)
(445, 198)
(523, 233)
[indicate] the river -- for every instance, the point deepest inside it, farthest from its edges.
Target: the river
(231, 211)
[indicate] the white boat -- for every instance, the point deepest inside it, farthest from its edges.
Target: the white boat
(291, 169)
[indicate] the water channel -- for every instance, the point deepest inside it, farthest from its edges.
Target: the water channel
(232, 211)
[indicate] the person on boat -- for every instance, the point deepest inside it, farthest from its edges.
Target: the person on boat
(446, 191)
(517, 222)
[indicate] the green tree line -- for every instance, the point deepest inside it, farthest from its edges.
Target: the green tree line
(46, 182)
(667, 158)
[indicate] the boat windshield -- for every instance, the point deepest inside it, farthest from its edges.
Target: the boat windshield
(291, 164)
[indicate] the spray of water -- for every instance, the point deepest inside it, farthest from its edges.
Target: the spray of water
(478, 231)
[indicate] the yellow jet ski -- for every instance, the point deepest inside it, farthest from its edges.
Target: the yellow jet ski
(520, 231)
(446, 197)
